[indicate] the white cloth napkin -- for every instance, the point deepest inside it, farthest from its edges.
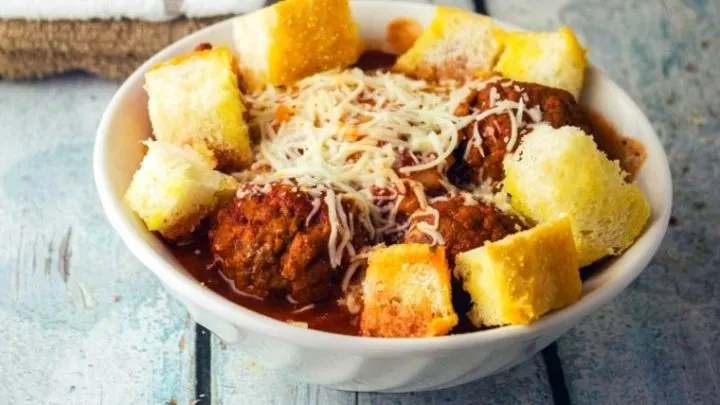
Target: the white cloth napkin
(150, 10)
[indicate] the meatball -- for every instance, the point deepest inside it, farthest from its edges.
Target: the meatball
(386, 197)
(431, 179)
(558, 108)
(403, 204)
(276, 243)
(465, 227)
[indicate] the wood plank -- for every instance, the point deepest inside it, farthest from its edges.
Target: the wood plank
(658, 342)
(239, 379)
(663, 329)
(83, 322)
(524, 384)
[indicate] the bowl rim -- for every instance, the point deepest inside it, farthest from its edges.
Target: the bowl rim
(191, 291)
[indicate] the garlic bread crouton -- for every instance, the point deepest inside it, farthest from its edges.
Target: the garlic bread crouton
(521, 277)
(456, 45)
(407, 292)
(194, 99)
(558, 172)
(293, 39)
(554, 59)
(175, 188)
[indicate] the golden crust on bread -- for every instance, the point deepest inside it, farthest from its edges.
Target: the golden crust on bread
(558, 172)
(455, 46)
(194, 99)
(554, 59)
(407, 292)
(521, 277)
(293, 39)
(175, 188)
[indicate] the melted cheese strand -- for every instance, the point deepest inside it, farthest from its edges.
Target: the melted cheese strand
(331, 203)
(513, 132)
(316, 208)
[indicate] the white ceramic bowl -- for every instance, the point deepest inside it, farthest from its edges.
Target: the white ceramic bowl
(355, 363)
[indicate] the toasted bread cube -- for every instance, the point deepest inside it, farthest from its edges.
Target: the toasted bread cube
(558, 172)
(175, 188)
(456, 45)
(554, 59)
(407, 292)
(293, 39)
(194, 99)
(521, 277)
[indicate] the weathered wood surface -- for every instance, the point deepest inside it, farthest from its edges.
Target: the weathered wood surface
(658, 343)
(82, 322)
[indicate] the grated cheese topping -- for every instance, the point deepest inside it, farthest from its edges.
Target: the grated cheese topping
(337, 135)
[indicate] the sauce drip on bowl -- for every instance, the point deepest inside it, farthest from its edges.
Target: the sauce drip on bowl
(629, 152)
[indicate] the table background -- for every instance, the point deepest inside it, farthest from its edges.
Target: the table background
(82, 322)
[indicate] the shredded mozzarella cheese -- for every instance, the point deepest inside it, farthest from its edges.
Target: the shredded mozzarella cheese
(316, 208)
(340, 135)
(429, 229)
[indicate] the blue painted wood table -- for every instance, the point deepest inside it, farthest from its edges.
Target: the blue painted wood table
(82, 322)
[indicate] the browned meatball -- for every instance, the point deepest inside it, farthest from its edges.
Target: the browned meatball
(431, 178)
(558, 108)
(264, 245)
(465, 227)
(406, 202)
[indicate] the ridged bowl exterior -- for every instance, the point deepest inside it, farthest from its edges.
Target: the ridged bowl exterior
(354, 372)
(353, 363)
